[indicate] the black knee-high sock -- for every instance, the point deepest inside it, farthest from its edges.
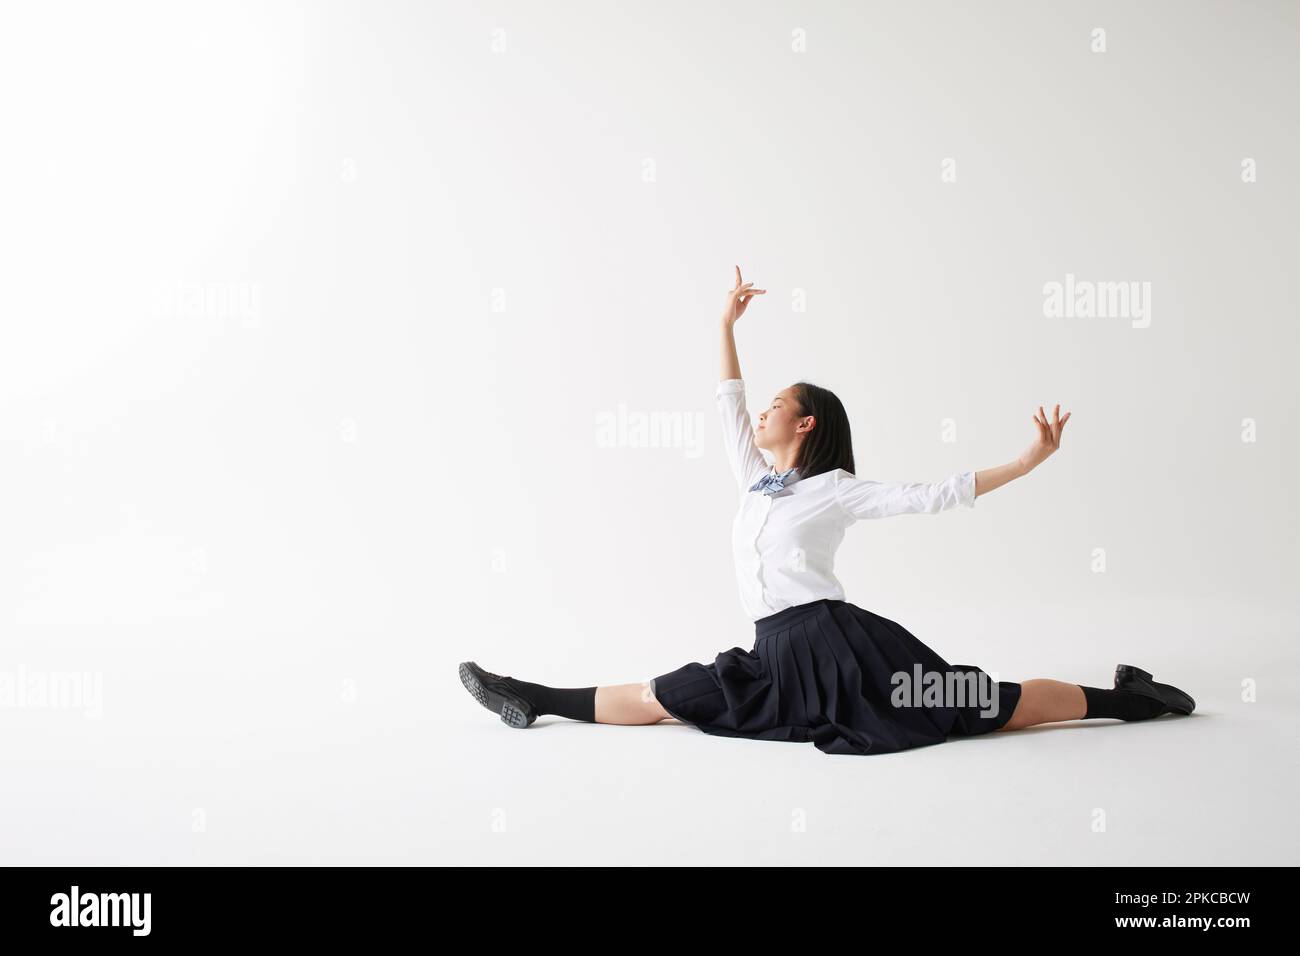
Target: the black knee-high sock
(1123, 704)
(576, 703)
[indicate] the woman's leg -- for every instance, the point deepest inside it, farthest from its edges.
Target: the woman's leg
(1044, 701)
(628, 704)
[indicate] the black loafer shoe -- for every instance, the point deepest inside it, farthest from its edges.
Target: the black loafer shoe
(1138, 681)
(496, 695)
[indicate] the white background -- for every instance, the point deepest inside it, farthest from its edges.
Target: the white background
(311, 311)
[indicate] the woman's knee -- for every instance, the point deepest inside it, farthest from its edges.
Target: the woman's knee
(651, 702)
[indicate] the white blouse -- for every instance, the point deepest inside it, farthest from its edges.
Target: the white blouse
(785, 543)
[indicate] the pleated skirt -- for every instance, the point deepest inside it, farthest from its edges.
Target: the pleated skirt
(850, 681)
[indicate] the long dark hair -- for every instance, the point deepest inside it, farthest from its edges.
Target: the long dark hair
(830, 444)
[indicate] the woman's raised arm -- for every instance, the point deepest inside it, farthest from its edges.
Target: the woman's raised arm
(737, 301)
(746, 461)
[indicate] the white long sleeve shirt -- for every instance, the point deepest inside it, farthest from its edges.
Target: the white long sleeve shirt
(785, 543)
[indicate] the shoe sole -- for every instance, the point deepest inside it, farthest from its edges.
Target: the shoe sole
(511, 715)
(1178, 702)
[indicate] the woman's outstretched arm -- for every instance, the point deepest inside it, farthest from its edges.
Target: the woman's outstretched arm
(1048, 441)
(863, 498)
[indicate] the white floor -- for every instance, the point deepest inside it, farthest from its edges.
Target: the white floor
(426, 776)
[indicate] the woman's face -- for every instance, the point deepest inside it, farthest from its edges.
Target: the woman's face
(781, 425)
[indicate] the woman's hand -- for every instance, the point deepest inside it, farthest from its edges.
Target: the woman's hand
(1049, 438)
(738, 300)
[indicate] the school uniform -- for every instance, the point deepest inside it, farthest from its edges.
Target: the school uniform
(822, 669)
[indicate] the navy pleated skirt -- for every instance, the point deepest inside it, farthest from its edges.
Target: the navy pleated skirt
(849, 680)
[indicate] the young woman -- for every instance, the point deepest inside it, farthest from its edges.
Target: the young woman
(823, 669)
